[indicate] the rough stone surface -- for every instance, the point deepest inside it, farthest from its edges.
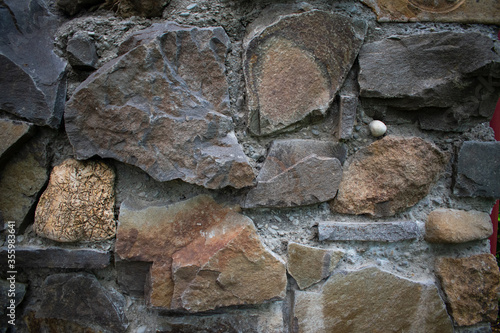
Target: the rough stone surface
(35, 324)
(131, 276)
(436, 73)
(204, 255)
(82, 51)
(72, 7)
(457, 226)
(80, 298)
(388, 176)
(316, 46)
(309, 265)
(6, 290)
(298, 172)
(462, 11)
(368, 231)
(53, 257)
(78, 204)
(171, 87)
(11, 132)
(478, 170)
(32, 84)
(471, 286)
(145, 8)
(347, 116)
(371, 300)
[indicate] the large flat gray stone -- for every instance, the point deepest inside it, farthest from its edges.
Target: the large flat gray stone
(369, 231)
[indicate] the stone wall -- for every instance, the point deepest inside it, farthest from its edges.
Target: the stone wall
(248, 166)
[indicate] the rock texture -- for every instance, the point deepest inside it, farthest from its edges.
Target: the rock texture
(441, 75)
(368, 232)
(80, 298)
(389, 176)
(371, 300)
(309, 265)
(12, 132)
(145, 8)
(478, 170)
(9, 291)
(347, 116)
(471, 286)
(204, 255)
(462, 11)
(315, 46)
(82, 53)
(163, 106)
(32, 84)
(78, 204)
(72, 7)
(457, 226)
(298, 172)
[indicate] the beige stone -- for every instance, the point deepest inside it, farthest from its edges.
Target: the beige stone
(309, 265)
(78, 204)
(457, 226)
(471, 286)
(371, 300)
(462, 11)
(204, 255)
(389, 176)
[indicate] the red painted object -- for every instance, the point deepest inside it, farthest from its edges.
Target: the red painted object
(495, 124)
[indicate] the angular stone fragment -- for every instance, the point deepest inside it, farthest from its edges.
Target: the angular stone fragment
(462, 11)
(54, 257)
(11, 132)
(204, 255)
(478, 170)
(388, 176)
(80, 298)
(32, 84)
(457, 226)
(309, 265)
(471, 286)
(163, 106)
(78, 204)
(368, 232)
(298, 172)
(347, 116)
(131, 276)
(295, 64)
(82, 52)
(371, 300)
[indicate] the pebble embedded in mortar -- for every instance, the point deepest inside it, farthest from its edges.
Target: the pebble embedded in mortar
(377, 128)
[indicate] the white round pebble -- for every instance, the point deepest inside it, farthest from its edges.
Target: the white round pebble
(377, 128)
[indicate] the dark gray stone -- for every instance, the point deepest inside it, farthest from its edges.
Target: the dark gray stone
(36, 257)
(72, 7)
(12, 133)
(80, 298)
(478, 170)
(9, 290)
(368, 231)
(347, 116)
(32, 76)
(131, 276)
(82, 51)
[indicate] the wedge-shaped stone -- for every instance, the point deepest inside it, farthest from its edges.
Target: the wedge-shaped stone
(309, 265)
(389, 176)
(371, 300)
(471, 286)
(162, 106)
(78, 204)
(294, 65)
(462, 11)
(457, 226)
(204, 255)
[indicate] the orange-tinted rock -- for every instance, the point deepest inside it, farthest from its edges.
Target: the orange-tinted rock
(389, 176)
(78, 204)
(463, 11)
(294, 65)
(204, 255)
(471, 286)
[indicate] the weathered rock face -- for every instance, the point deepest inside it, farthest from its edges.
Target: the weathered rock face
(7, 287)
(317, 47)
(471, 287)
(82, 53)
(437, 73)
(368, 232)
(32, 84)
(11, 132)
(145, 8)
(478, 168)
(457, 226)
(438, 11)
(389, 176)
(309, 265)
(298, 172)
(72, 7)
(347, 116)
(78, 204)
(162, 106)
(204, 255)
(80, 298)
(371, 300)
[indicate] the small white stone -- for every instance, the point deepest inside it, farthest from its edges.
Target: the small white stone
(377, 128)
